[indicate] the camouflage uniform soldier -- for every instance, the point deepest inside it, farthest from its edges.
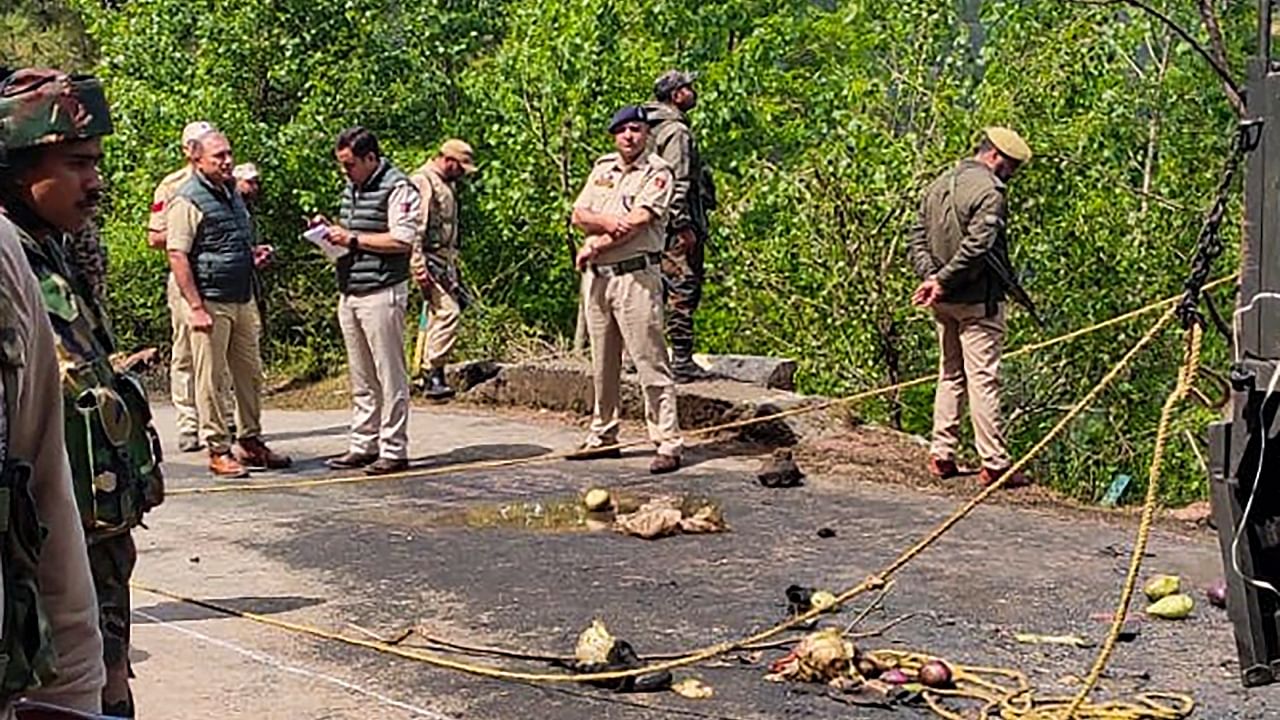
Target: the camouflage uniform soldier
(52, 128)
(959, 250)
(686, 232)
(435, 262)
(89, 258)
(47, 582)
(622, 210)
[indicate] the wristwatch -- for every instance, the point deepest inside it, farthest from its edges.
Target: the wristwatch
(354, 242)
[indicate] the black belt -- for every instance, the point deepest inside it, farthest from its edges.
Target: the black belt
(629, 265)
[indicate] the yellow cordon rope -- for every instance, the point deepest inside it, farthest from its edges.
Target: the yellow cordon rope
(1009, 693)
(1186, 378)
(737, 424)
(695, 656)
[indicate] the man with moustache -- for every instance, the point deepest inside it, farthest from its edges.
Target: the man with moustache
(212, 255)
(182, 381)
(51, 126)
(622, 210)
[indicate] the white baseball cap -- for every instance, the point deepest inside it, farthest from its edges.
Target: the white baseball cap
(196, 130)
(245, 171)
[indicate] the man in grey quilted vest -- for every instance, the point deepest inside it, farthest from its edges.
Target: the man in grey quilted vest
(378, 224)
(212, 255)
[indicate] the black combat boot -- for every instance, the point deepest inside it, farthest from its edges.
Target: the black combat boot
(437, 388)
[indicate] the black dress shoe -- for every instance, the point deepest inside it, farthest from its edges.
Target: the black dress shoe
(350, 461)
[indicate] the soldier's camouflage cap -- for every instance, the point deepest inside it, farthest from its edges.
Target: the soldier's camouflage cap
(40, 106)
(670, 81)
(1009, 143)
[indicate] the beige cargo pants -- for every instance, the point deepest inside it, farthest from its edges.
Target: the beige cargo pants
(373, 331)
(971, 345)
(626, 311)
(182, 371)
(228, 353)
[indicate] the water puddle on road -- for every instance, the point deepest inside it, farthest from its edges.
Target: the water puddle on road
(553, 515)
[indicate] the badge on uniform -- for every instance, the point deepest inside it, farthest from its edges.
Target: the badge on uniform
(661, 182)
(604, 181)
(157, 206)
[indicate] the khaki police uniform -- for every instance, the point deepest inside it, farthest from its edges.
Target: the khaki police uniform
(182, 388)
(230, 350)
(440, 248)
(622, 294)
(960, 223)
(35, 435)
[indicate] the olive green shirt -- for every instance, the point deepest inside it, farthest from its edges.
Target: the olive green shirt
(961, 220)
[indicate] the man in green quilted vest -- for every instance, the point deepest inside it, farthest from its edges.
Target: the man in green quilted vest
(212, 254)
(51, 126)
(378, 225)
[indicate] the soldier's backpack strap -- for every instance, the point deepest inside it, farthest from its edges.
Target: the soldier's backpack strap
(26, 640)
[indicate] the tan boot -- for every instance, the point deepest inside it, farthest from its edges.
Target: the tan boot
(223, 465)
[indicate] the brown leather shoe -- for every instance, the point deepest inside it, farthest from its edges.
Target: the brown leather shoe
(255, 455)
(942, 469)
(350, 461)
(223, 465)
(386, 466)
(663, 464)
(989, 476)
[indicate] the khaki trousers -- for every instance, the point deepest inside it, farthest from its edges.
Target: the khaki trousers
(182, 380)
(443, 313)
(229, 351)
(626, 312)
(373, 330)
(971, 344)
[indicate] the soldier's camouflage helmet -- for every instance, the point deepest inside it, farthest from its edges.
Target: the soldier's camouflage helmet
(40, 106)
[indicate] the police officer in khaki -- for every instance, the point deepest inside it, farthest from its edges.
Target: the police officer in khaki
(435, 260)
(212, 255)
(959, 249)
(622, 210)
(182, 380)
(51, 640)
(248, 183)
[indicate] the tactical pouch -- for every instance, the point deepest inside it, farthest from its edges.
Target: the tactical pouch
(121, 450)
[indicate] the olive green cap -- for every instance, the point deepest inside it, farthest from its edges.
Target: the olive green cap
(1009, 143)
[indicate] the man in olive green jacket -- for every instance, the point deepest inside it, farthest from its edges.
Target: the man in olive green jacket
(693, 197)
(959, 250)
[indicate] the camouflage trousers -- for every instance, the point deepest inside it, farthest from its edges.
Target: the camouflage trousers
(682, 275)
(111, 560)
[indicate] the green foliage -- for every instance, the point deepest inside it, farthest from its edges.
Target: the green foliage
(822, 121)
(43, 32)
